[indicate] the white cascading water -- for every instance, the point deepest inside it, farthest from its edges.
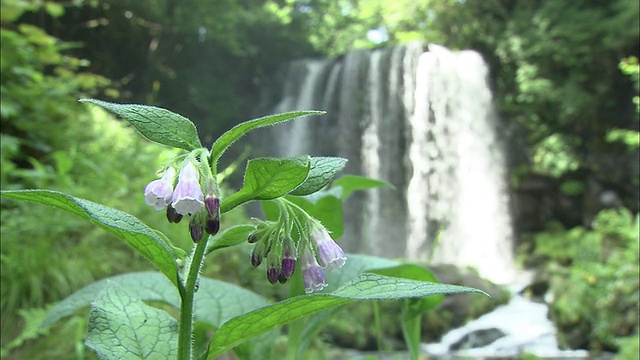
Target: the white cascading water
(298, 133)
(460, 164)
(424, 123)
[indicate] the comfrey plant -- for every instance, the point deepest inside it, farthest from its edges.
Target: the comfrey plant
(302, 204)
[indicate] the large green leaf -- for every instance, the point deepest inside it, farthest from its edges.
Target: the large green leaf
(364, 287)
(215, 302)
(268, 178)
(357, 264)
(148, 286)
(156, 124)
(351, 183)
(121, 326)
(413, 272)
(238, 131)
(126, 227)
(321, 172)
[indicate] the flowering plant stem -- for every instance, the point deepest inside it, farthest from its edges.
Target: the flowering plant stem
(294, 337)
(295, 328)
(185, 342)
(378, 325)
(185, 331)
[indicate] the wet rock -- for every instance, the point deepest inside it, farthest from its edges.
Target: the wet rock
(538, 288)
(457, 309)
(478, 338)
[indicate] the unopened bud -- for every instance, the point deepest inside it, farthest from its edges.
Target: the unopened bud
(288, 259)
(213, 206)
(256, 259)
(281, 278)
(288, 267)
(213, 226)
(196, 231)
(272, 275)
(172, 215)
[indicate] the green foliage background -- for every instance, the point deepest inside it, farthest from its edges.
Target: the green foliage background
(594, 280)
(564, 75)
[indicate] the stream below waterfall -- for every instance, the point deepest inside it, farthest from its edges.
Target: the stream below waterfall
(520, 326)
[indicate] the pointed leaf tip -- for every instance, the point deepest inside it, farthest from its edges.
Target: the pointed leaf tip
(156, 124)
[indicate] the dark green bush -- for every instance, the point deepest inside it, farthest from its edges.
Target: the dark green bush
(595, 280)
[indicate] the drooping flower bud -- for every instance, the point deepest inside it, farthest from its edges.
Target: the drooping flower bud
(281, 278)
(213, 206)
(288, 260)
(259, 252)
(274, 259)
(196, 229)
(272, 274)
(172, 215)
(188, 197)
(158, 193)
(256, 259)
(197, 232)
(253, 237)
(312, 273)
(330, 254)
(212, 226)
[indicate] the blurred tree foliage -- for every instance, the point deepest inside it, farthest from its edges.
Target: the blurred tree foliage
(39, 86)
(556, 76)
(595, 282)
(205, 60)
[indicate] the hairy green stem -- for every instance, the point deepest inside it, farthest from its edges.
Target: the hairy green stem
(294, 338)
(378, 325)
(411, 327)
(233, 201)
(185, 342)
(296, 327)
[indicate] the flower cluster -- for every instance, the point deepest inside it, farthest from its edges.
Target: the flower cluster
(187, 198)
(315, 249)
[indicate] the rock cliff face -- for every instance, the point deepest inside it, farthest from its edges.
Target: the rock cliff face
(423, 122)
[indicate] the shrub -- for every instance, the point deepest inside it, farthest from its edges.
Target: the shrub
(595, 280)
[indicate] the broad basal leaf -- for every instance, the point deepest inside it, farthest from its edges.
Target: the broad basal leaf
(126, 227)
(156, 124)
(218, 301)
(215, 302)
(238, 131)
(121, 326)
(268, 178)
(364, 287)
(321, 172)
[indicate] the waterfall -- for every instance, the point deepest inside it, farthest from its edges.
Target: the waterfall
(423, 122)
